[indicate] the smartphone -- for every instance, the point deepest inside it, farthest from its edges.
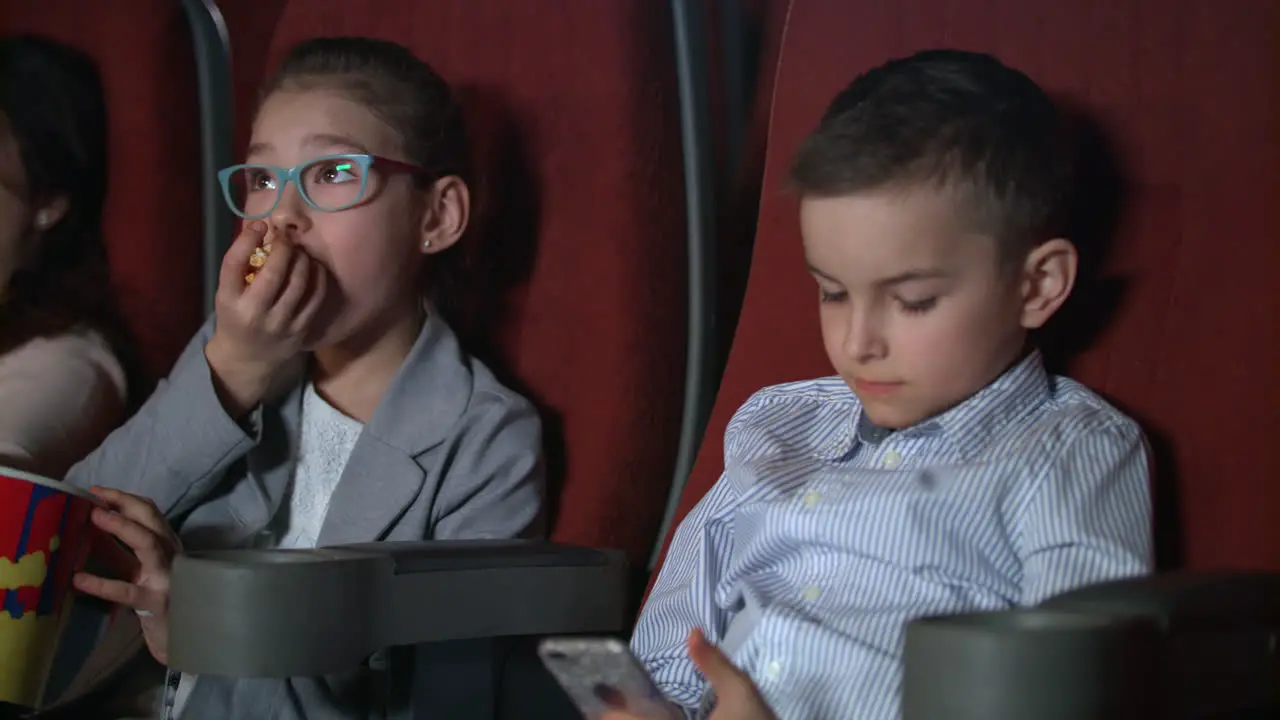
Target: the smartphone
(601, 674)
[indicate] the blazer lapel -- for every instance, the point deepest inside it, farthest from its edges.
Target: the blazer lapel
(378, 483)
(421, 407)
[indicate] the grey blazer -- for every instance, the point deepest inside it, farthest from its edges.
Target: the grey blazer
(449, 453)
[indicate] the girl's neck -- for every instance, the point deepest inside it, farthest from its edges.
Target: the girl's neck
(352, 376)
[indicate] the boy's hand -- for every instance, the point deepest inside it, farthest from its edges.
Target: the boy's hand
(261, 326)
(736, 696)
(138, 523)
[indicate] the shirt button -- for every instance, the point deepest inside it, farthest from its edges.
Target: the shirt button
(811, 498)
(772, 670)
(812, 593)
(892, 459)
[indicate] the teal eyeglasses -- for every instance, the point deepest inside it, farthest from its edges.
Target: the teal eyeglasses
(328, 184)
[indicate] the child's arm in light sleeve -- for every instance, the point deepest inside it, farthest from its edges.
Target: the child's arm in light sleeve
(178, 445)
(684, 598)
(59, 397)
(1089, 517)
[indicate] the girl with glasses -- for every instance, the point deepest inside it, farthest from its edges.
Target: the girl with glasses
(327, 401)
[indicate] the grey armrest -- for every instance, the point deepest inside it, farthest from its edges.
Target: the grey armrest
(1194, 600)
(280, 613)
(1182, 645)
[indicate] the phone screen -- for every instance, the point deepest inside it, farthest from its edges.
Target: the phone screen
(601, 674)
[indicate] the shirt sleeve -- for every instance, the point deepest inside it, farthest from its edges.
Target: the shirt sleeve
(1089, 518)
(61, 396)
(683, 598)
(685, 594)
(178, 445)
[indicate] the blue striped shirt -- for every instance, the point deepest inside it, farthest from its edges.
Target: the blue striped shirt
(822, 538)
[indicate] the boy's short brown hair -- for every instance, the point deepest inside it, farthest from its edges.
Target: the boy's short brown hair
(963, 122)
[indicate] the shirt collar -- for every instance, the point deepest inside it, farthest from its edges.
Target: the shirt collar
(972, 424)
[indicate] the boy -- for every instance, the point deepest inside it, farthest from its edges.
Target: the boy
(943, 470)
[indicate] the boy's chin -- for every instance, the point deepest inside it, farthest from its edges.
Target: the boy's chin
(891, 415)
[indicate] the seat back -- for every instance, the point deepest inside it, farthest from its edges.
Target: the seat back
(250, 27)
(742, 69)
(573, 113)
(742, 39)
(152, 221)
(1182, 96)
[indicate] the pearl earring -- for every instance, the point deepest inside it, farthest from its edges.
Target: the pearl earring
(42, 220)
(426, 244)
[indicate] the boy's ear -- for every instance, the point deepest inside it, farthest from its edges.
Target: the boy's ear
(447, 215)
(1048, 274)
